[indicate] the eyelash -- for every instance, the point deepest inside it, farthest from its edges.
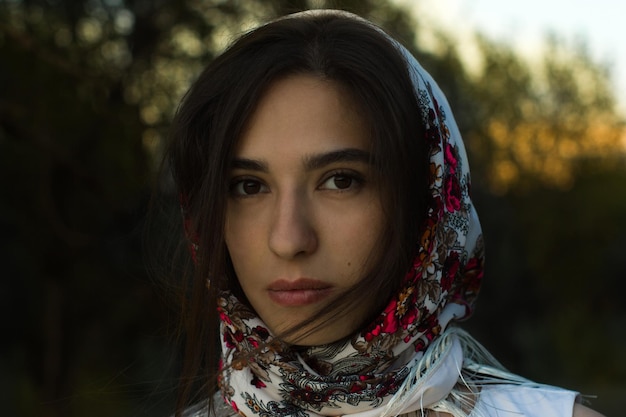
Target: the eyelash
(235, 182)
(356, 181)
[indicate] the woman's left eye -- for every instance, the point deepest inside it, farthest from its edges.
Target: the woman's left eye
(340, 182)
(247, 188)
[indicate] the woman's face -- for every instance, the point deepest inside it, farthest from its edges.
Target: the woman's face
(304, 215)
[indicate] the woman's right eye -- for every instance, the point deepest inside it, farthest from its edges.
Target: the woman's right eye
(247, 187)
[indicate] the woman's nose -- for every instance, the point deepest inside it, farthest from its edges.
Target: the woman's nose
(292, 232)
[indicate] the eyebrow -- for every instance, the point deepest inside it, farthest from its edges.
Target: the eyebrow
(249, 165)
(311, 162)
(342, 155)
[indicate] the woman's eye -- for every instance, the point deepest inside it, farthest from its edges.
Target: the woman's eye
(247, 188)
(340, 182)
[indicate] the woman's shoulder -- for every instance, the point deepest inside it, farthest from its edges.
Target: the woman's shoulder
(582, 411)
(522, 400)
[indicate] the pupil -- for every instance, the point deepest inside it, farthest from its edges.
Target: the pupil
(251, 187)
(342, 182)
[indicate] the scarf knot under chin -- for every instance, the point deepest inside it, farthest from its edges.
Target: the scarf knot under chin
(261, 376)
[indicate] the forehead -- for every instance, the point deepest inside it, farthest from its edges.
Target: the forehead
(303, 113)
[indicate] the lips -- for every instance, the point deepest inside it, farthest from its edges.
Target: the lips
(300, 292)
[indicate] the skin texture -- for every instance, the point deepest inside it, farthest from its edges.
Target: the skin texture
(303, 216)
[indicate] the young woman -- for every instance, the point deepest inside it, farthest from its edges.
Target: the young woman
(326, 199)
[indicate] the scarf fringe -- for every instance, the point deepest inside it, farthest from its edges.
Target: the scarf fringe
(479, 369)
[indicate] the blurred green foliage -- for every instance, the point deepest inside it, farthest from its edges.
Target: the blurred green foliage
(87, 88)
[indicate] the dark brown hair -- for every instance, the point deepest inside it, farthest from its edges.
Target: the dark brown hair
(212, 117)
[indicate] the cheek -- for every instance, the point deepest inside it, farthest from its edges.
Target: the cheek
(241, 238)
(357, 237)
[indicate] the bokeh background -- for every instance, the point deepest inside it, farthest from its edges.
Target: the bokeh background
(87, 91)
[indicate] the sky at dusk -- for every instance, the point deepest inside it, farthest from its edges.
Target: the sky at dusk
(601, 23)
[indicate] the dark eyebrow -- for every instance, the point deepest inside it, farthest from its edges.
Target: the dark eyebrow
(311, 163)
(249, 165)
(342, 155)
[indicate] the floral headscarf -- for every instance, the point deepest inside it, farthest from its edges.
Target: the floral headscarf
(360, 376)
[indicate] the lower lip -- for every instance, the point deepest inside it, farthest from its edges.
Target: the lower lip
(295, 298)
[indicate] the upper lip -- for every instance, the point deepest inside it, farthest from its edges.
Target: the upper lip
(298, 284)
